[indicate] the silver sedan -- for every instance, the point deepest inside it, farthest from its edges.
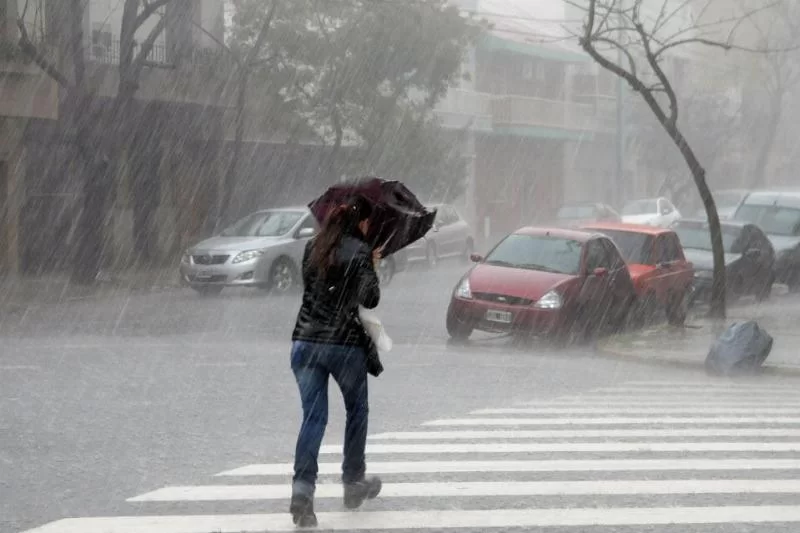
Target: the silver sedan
(263, 250)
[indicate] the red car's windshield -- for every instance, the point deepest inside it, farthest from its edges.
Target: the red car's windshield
(635, 247)
(538, 252)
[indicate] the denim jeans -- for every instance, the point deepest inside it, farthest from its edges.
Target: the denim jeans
(312, 364)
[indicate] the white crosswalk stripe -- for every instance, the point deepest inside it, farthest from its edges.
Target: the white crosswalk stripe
(539, 464)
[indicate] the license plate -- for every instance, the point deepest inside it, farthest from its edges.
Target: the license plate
(204, 275)
(504, 317)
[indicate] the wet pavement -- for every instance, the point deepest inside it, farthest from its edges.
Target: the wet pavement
(690, 344)
(107, 399)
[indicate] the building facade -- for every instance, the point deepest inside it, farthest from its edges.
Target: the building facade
(179, 109)
(537, 112)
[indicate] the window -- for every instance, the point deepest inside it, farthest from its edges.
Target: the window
(613, 257)
(453, 214)
(596, 256)
(771, 219)
(696, 235)
(537, 252)
(446, 216)
(264, 224)
(668, 249)
(309, 222)
(527, 70)
(635, 247)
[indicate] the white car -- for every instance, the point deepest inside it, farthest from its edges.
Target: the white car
(651, 211)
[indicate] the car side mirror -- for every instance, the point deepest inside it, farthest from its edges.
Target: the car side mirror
(476, 258)
(600, 272)
(306, 233)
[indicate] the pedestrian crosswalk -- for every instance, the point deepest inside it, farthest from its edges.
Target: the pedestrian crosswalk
(645, 454)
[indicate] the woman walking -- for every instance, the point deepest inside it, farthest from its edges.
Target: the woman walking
(339, 274)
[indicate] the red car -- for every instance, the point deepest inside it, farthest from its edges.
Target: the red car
(661, 274)
(545, 282)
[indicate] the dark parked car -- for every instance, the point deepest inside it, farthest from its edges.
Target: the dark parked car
(749, 257)
(546, 282)
(778, 215)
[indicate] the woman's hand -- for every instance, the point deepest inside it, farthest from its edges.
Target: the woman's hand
(376, 257)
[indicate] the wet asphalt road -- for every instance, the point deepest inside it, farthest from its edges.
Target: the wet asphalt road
(103, 400)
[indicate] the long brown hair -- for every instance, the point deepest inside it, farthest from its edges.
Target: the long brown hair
(342, 220)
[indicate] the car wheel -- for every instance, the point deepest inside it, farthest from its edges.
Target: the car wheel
(765, 291)
(469, 249)
(457, 328)
(386, 270)
(431, 256)
(620, 315)
(793, 282)
(646, 310)
(678, 308)
(735, 289)
(208, 290)
(283, 276)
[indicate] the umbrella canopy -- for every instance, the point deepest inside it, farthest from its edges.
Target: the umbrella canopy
(398, 217)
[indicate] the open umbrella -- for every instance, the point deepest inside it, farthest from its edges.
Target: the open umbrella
(398, 217)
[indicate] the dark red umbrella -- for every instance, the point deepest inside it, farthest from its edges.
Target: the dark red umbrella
(398, 217)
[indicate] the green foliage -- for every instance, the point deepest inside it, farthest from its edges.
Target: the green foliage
(413, 148)
(365, 73)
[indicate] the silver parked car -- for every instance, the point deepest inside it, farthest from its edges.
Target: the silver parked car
(263, 249)
(450, 236)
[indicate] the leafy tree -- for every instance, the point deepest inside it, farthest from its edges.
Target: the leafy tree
(94, 132)
(365, 74)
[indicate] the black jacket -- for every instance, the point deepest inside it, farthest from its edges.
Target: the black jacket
(329, 312)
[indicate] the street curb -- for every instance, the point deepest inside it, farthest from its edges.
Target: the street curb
(673, 362)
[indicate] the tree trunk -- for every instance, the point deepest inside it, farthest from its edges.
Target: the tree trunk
(229, 180)
(699, 174)
(82, 116)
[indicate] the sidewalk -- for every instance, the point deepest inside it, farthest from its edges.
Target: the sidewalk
(688, 346)
(22, 291)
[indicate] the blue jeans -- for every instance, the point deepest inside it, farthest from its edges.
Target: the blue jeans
(312, 364)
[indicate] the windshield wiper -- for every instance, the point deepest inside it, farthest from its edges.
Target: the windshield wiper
(543, 268)
(498, 262)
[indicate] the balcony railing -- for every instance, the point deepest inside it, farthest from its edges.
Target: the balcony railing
(562, 114)
(110, 53)
(466, 102)
(200, 56)
(487, 110)
(460, 108)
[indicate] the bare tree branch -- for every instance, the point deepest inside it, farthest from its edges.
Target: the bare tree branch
(147, 46)
(262, 35)
(219, 43)
(149, 9)
(29, 49)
